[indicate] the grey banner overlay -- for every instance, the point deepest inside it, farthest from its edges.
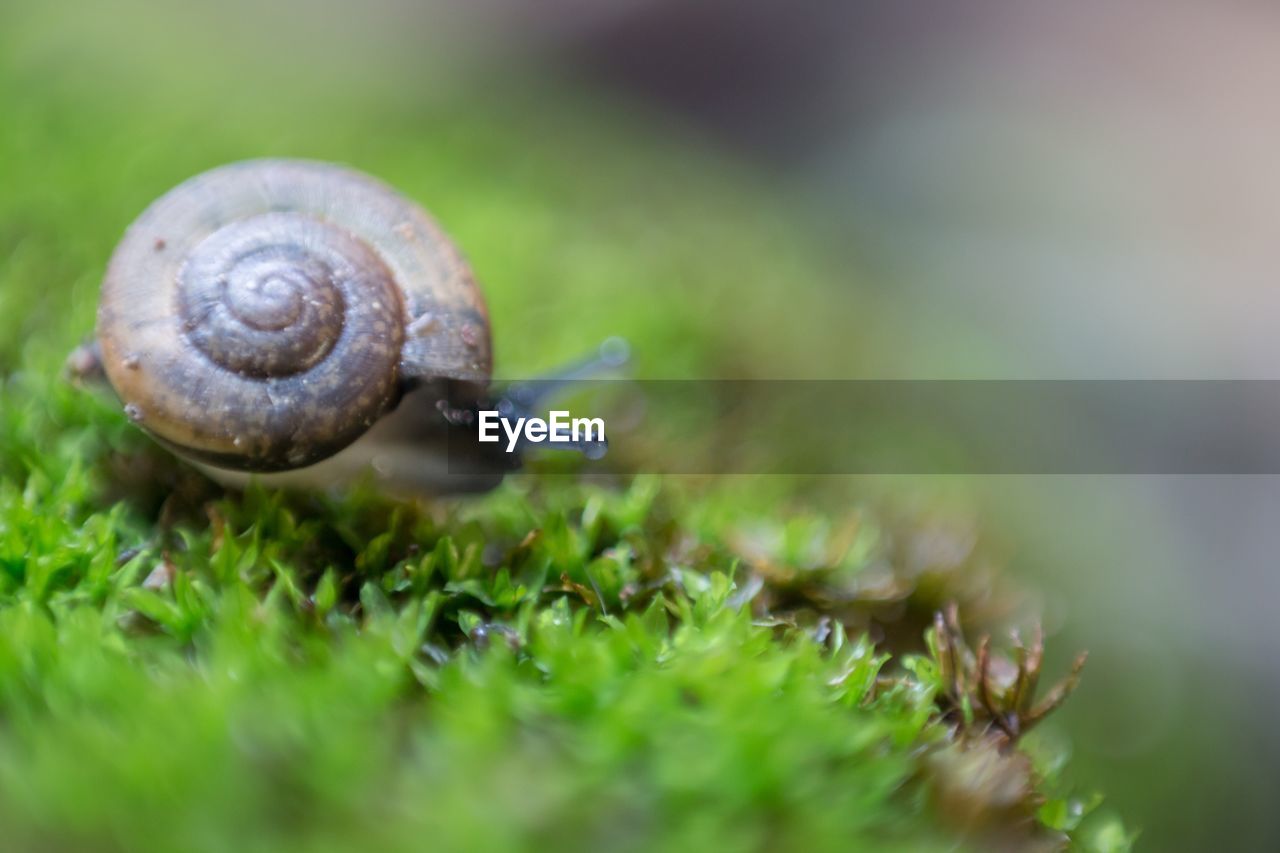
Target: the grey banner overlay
(918, 427)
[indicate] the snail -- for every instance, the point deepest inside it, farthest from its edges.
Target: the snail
(298, 321)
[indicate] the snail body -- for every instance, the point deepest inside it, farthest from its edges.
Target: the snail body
(266, 315)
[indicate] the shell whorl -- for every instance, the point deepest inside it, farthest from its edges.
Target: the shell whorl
(263, 315)
(270, 296)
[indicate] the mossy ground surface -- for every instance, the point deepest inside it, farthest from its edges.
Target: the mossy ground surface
(637, 664)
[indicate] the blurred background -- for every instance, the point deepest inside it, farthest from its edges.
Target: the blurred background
(959, 189)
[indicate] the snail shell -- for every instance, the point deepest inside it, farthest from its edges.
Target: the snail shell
(263, 315)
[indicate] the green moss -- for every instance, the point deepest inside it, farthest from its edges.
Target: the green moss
(554, 664)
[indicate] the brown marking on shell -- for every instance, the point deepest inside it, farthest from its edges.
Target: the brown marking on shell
(182, 331)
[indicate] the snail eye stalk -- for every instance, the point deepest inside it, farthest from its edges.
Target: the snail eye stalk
(532, 400)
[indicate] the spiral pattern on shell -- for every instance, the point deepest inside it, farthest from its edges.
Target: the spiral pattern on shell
(263, 315)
